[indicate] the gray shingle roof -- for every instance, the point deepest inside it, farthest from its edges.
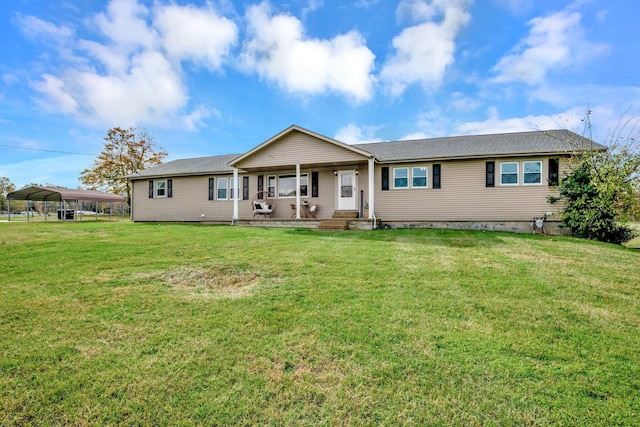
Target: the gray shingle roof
(194, 166)
(503, 144)
(454, 147)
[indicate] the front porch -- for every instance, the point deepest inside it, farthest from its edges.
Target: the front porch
(340, 220)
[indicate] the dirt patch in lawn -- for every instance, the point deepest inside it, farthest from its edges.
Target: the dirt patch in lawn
(213, 281)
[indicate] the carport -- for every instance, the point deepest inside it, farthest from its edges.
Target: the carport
(61, 196)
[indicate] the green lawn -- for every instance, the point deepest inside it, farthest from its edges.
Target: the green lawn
(119, 323)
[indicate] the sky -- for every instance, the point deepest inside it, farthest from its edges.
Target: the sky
(222, 76)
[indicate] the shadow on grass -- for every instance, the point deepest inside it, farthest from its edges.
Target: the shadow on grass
(430, 237)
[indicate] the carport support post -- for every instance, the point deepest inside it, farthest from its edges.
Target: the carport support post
(235, 196)
(372, 190)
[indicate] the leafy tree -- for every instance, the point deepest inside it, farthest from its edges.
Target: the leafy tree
(125, 152)
(602, 189)
(6, 187)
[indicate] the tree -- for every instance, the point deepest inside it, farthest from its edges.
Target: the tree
(602, 189)
(6, 187)
(126, 151)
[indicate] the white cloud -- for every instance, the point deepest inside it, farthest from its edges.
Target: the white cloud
(125, 24)
(352, 134)
(414, 136)
(56, 97)
(424, 51)
(36, 28)
(279, 51)
(137, 78)
(555, 42)
(199, 35)
(196, 118)
(150, 92)
(494, 124)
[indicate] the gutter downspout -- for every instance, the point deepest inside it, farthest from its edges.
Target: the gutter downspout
(372, 191)
(235, 196)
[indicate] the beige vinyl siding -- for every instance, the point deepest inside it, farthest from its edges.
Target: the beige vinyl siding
(190, 199)
(298, 148)
(189, 202)
(464, 196)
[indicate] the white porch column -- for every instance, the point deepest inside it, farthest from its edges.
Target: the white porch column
(372, 189)
(298, 191)
(235, 194)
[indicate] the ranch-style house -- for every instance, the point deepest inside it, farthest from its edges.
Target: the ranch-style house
(299, 178)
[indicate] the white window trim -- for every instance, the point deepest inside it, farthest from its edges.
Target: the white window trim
(523, 172)
(393, 178)
(517, 174)
(156, 188)
(226, 179)
(275, 186)
(426, 169)
(277, 192)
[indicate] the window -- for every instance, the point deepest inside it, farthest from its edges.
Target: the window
(261, 187)
(222, 188)
(531, 173)
(554, 169)
(400, 177)
(161, 188)
(271, 186)
(509, 173)
(231, 188)
(346, 185)
(436, 176)
(287, 185)
(490, 172)
(419, 177)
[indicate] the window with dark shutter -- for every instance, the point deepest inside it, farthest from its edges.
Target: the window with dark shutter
(385, 178)
(169, 188)
(436, 176)
(211, 188)
(554, 170)
(151, 189)
(260, 186)
(314, 184)
(491, 174)
(245, 188)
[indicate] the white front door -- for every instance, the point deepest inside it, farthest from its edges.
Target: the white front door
(346, 190)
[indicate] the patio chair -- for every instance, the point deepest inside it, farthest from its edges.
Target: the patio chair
(261, 205)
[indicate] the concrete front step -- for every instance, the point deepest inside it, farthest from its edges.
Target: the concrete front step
(345, 214)
(333, 224)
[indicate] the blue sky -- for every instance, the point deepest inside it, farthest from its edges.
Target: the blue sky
(220, 77)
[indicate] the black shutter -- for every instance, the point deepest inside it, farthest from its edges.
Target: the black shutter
(261, 187)
(436, 176)
(211, 188)
(151, 189)
(169, 188)
(491, 174)
(554, 169)
(385, 178)
(245, 188)
(314, 184)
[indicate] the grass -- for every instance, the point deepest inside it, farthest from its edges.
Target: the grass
(166, 324)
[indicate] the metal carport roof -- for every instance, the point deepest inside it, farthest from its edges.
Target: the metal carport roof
(58, 194)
